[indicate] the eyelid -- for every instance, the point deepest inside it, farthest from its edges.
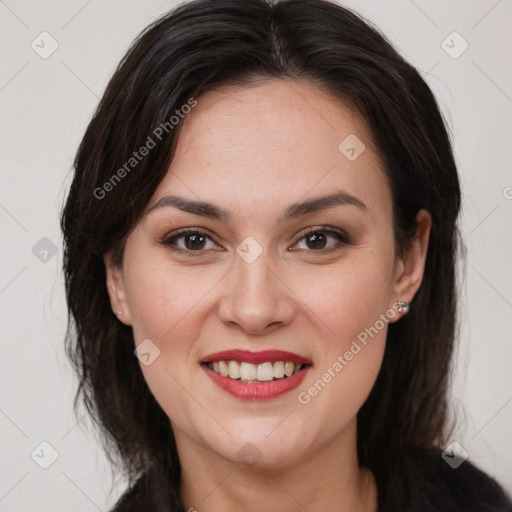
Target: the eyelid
(327, 229)
(188, 231)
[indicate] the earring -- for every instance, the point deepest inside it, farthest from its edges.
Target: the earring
(403, 307)
(119, 313)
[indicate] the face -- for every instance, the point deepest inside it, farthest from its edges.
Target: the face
(266, 267)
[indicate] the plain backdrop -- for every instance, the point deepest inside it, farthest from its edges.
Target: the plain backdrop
(45, 106)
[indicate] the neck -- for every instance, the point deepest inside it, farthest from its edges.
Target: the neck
(326, 478)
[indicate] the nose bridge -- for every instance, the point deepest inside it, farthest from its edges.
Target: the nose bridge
(256, 298)
(254, 280)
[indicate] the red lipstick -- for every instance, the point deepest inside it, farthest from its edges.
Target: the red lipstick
(255, 357)
(256, 390)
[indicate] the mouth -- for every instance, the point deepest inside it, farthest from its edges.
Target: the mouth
(256, 375)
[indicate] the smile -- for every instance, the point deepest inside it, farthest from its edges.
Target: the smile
(256, 375)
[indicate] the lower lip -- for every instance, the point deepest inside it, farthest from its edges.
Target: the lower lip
(257, 390)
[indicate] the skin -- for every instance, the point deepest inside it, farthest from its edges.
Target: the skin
(253, 151)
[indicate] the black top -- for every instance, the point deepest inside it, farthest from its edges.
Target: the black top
(465, 489)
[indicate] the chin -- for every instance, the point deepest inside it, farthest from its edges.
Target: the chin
(258, 454)
(261, 443)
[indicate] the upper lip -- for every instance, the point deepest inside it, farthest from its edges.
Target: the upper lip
(255, 357)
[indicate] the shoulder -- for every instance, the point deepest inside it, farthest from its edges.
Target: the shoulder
(462, 489)
(436, 487)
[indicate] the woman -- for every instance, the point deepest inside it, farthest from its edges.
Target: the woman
(264, 212)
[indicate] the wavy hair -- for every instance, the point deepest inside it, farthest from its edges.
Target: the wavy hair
(202, 45)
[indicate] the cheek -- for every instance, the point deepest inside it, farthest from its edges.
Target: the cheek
(350, 305)
(168, 305)
(161, 298)
(352, 294)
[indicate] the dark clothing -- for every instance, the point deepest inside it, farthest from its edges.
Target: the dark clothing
(465, 489)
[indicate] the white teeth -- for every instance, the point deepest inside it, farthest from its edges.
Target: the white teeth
(248, 372)
(265, 372)
(279, 369)
(223, 368)
(234, 370)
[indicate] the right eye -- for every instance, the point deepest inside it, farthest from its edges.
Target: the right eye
(189, 241)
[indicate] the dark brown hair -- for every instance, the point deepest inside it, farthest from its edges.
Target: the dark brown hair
(207, 44)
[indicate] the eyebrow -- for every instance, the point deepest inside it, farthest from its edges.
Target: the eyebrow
(295, 210)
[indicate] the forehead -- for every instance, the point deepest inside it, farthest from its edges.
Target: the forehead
(271, 142)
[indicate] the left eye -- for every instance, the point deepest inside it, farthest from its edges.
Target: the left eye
(319, 239)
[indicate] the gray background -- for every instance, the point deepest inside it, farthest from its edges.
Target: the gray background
(45, 106)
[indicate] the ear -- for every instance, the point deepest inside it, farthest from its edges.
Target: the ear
(116, 290)
(410, 266)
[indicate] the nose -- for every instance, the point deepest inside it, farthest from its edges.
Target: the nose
(256, 298)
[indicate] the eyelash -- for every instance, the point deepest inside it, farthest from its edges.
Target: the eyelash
(168, 240)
